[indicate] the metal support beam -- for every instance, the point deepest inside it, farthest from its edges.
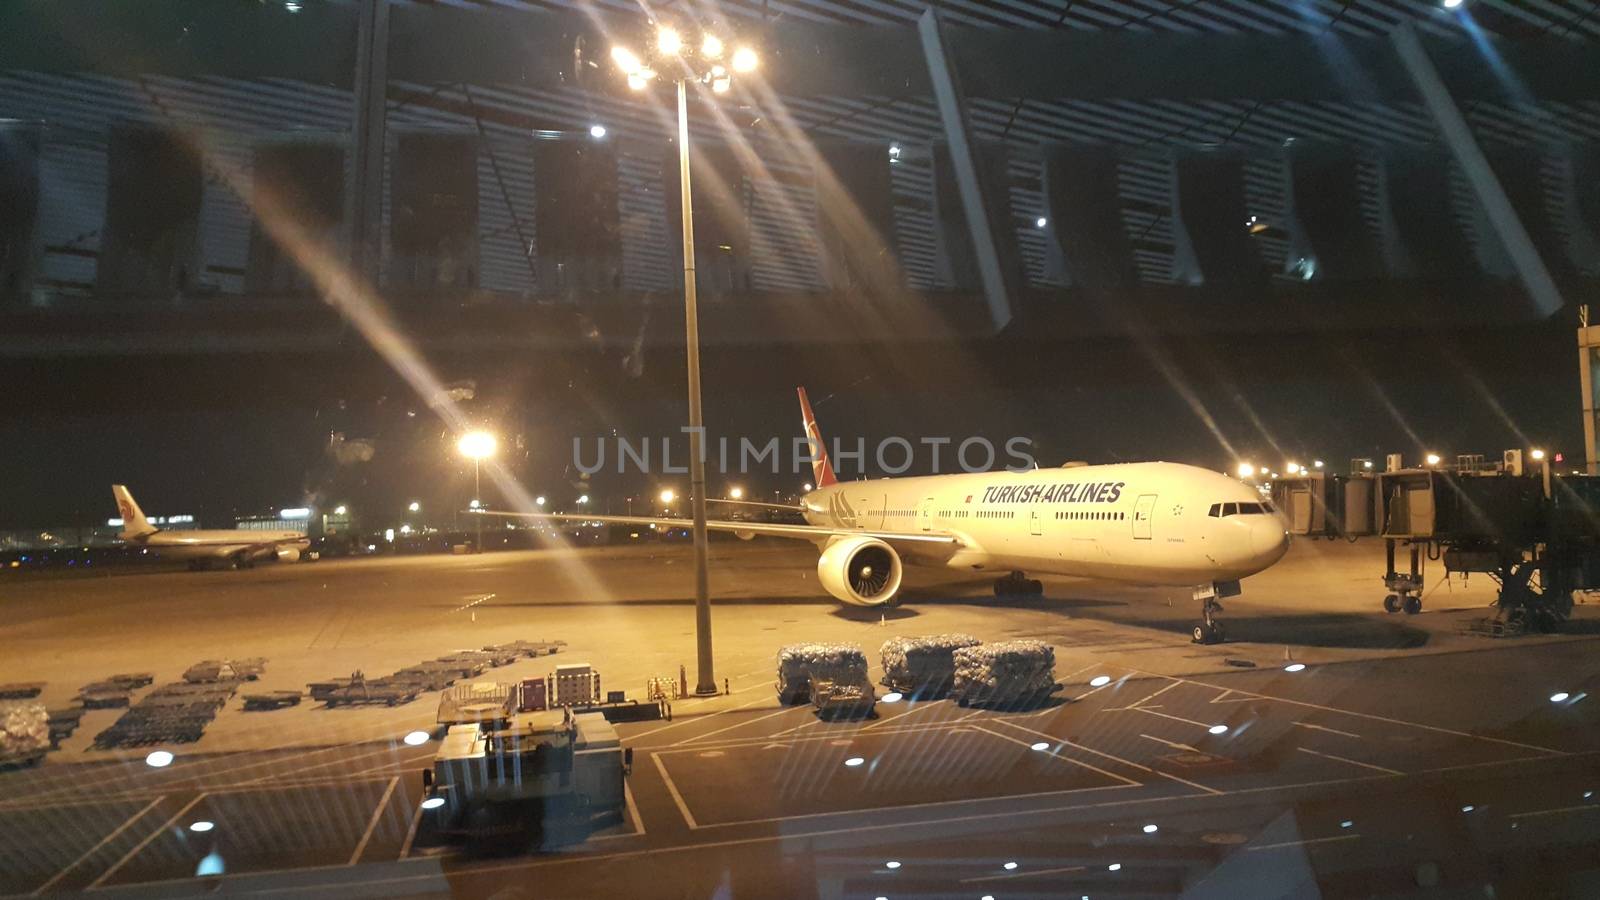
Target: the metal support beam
(364, 193)
(963, 158)
(1464, 148)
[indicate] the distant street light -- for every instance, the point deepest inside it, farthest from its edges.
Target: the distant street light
(1246, 470)
(1432, 459)
(340, 510)
(806, 487)
(477, 446)
(667, 496)
(583, 500)
(539, 500)
(415, 506)
(684, 62)
(736, 493)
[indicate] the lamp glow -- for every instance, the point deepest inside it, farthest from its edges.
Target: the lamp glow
(711, 47)
(625, 60)
(667, 496)
(745, 60)
(736, 493)
(668, 41)
(477, 445)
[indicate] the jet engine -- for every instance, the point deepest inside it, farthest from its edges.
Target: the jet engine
(288, 554)
(860, 571)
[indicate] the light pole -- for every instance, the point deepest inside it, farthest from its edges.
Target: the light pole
(477, 446)
(702, 63)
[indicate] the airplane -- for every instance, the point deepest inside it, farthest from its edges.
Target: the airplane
(1146, 523)
(239, 548)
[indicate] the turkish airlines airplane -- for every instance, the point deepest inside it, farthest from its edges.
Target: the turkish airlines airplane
(239, 547)
(1152, 523)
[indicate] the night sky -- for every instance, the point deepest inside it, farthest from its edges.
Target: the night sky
(236, 434)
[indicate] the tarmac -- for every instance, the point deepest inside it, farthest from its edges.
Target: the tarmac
(1405, 755)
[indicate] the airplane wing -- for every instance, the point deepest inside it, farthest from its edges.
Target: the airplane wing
(771, 529)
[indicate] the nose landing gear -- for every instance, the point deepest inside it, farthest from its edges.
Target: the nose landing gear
(1210, 631)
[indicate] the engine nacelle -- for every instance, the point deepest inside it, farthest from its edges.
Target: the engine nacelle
(860, 571)
(288, 554)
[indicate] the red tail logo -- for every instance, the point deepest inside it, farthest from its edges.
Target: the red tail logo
(821, 470)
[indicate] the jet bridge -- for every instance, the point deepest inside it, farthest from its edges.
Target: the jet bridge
(1537, 536)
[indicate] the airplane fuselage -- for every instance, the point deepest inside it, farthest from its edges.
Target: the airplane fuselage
(220, 544)
(1150, 523)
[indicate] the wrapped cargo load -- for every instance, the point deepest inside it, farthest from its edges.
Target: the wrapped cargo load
(24, 733)
(799, 663)
(923, 666)
(1007, 674)
(843, 699)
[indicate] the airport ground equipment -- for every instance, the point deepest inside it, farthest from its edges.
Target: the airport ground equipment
(542, 777)
(24, 733)
(225, 670)
(1537, 536)
(574, 684)
(63, 723)
(175, 713)
(320, 691)
(922, 667)
(363, 690)
(478, 701)
(530, 649)
(1008, 674)
(843, 700)
(21, 690)
(662, 688)
(133, 680)
(798, 664)
(267, 700)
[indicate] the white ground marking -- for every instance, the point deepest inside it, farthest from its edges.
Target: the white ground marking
(1372, 716)
(699, 737)
(690, 720)
(1353, 762)
(146, 842)
(1173, 744)
(683, 808)
(411, 833)
(1585, 807)
(1025, 874)
(1326, 840)
(1066, 759)
(372, 823)
(96, 848)
(1327, 729)
(1168, 716)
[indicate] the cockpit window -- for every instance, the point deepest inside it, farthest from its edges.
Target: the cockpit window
(1239, 509)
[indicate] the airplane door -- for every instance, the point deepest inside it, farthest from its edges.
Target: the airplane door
(925, 515)
(1035, 524)
(1142, 511)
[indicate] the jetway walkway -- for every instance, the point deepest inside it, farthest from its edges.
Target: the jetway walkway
(1536, 535)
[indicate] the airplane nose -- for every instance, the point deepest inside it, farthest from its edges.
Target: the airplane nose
(1270, 540)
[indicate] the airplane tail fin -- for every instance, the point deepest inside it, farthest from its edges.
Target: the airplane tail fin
(134, 524)
(821, 469)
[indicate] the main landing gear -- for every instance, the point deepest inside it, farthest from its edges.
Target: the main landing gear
(1017, 584)
(1210, 631)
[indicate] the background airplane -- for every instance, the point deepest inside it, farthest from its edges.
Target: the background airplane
(1151, 523)
(237, 547)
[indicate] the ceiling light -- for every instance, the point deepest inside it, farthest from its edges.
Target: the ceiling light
(892, 864)
(1150, 829)
(1218, 729)
(416, 738)
(202, 826)
(1114, 867)
(1451, 4)
(158, 759)
(1009, 866)
(1559, 697)
(1041, 221)
(1295, 667)
(433, 803)
(597, 131)
(1100, 681)
(891, 697)
(1039, 745)
(854, 761)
